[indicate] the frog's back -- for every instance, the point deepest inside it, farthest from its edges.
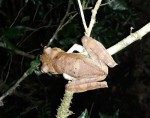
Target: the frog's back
(76, 65)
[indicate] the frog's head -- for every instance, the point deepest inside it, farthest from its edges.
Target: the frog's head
(47, 58)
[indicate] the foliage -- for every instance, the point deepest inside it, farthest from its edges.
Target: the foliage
(117, 5)
(84, 114)
(115, 115)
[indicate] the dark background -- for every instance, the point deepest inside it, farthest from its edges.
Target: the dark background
(38, 96)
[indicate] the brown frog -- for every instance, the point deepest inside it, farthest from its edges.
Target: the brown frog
(85, 71)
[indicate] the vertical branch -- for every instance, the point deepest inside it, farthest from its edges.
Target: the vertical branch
(82, 15)
(18, 15)
(63, 111)
(93, 18)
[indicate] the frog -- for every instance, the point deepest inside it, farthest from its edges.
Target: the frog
(84, 71)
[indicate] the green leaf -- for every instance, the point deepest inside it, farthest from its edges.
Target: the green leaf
(9, 45)
(34, 1)
(24, 19)
(104, 115)
(115, 115)
(35, 63)
(12, 33)
(45, 111)
(85, 3)
(120, 5)
(84, 114)
(38, 72)
(16, 32)
(24, 28)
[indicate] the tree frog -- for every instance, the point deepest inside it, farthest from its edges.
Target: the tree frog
(86, 72)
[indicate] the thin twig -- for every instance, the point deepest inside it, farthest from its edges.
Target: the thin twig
(11, 90)
(39, 28)
(72, 17)
(82, 15)
(8, 63)
(18, 15)
(38, 6)
(58, 5)
(93, 18)
(19, 52)
(61, 23)
(107, 3)
(9, 66)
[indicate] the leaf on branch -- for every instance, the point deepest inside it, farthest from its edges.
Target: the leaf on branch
(115, 115)
(35, 63)
(9, 45)
(25, 19)
(84, 114)
(120, 5)
(16, 32)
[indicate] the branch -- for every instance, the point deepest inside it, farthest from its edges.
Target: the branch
(82, 15)
(107, 3)
(93, 18)
(19, 52)
(26, 74)
(63, 111)
(72, 17)
(129, 39)
(18, 15)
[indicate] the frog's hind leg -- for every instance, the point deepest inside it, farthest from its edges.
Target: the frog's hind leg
(85, 85)
(97, 51)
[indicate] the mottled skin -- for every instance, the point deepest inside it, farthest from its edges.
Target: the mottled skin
(85, 71)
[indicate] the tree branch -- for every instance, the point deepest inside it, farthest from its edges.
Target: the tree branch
(19, 52)
(129, 39)
(82, 15)
(93, 18)
(26, 74)
(63, 111)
